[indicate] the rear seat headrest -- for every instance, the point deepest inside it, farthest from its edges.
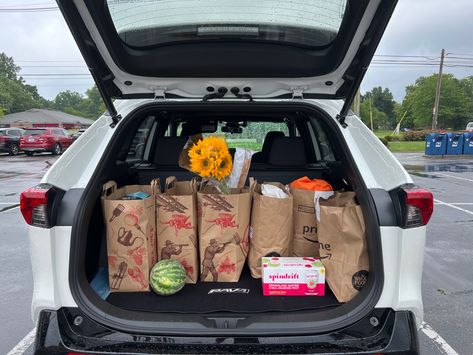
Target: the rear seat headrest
(288, 151)
(168, 150)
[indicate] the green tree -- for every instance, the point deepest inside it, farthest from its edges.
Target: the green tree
(8, 68)
(67, 98)
(383, 101)
(455, 107)
(380, 119)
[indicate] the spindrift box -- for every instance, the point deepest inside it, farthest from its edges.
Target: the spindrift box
(295, 276)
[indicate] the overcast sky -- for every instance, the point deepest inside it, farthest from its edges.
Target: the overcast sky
(40, 42)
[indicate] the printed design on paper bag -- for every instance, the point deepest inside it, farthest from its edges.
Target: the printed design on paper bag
(216, 203)
(137, 276)
(171, 249)
(359, 279)
(179, 221)
(224, 220)
(189, 268)
(138, 255)
(215, 247)
(170, 204)
(125, 238)
(117, 211)
(132, 219)
(306, 209)
(227, 266)
(118, 276)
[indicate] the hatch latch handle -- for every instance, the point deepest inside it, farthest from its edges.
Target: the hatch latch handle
(216, 95)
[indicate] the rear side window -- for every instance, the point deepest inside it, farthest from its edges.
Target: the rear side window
(139, 147)
(35, 132)
(142, 23)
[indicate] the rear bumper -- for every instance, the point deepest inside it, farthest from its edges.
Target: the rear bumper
(36, 147)
(396, 333)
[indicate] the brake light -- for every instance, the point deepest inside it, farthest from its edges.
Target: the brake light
(35, 205)
(419, 206)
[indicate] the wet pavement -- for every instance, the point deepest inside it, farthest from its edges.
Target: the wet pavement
(447, 281)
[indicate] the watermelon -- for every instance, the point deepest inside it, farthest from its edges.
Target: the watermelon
(167, 277)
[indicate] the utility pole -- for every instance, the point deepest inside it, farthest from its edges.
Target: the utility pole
(437, 92)
(357, 102)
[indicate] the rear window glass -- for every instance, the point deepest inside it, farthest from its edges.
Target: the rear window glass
(142, 23)
(34, 132)
(3, 133)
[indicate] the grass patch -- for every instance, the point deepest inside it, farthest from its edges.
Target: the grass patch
(383, 133)
(248, 145)
(409, 146)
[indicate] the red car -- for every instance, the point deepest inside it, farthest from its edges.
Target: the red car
(54, 140)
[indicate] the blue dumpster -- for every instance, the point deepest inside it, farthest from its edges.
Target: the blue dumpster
(454, 143)
(468, 143)
(436, 144)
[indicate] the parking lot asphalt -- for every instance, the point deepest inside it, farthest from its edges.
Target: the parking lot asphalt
(447, 282)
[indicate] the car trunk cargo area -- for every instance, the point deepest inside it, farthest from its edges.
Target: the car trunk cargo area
(132, 159)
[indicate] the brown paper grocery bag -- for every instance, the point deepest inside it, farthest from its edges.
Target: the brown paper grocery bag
(305, 242)
(271, 227)
(343, 251)
(131, 236)
(176, 215)
(223, 224)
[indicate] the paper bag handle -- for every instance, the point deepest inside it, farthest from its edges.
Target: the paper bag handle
(109, 188)
(170, 182)
(155, 186)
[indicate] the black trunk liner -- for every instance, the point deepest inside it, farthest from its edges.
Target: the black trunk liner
(196, 299)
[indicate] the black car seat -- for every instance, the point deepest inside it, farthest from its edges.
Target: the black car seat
(263, 156)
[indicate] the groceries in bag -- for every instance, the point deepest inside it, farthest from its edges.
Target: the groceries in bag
(304, 192)
(271, 224)
(131, 236)
(176, 215)
(341, 230)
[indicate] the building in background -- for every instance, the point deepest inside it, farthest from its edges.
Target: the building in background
(44, 118)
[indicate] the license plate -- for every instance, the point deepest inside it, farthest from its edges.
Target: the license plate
(30, 139)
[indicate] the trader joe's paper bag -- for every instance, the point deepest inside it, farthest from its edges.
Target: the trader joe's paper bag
(223, 222)
(131, 236)
(343, 251)
(176, 215)
(271, 226)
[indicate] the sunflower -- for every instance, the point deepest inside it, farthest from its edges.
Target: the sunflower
(209, 157)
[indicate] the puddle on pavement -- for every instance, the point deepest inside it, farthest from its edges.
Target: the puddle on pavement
(424, 170)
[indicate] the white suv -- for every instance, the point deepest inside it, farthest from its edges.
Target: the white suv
(178, 68)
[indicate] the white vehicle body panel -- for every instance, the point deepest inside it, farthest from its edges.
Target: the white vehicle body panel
(403, 249)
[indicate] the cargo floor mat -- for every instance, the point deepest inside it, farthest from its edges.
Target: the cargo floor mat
(245, 296)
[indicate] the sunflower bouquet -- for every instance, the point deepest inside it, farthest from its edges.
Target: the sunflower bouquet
(209, 158)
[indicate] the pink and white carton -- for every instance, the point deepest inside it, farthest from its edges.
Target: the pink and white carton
(297, 276)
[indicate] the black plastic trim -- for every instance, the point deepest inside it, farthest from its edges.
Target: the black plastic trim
(268, 323)
(68, 206)
(59, 333)
(387, 216)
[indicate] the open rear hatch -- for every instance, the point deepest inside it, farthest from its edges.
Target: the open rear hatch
(214, 49)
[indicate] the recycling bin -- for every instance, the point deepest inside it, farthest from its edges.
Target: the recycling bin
(455, 143)
(436, 144)
(468, 143)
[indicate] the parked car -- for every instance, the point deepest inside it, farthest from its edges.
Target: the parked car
(78, 133)
(36, 140)
(188, 69)
(469, 126)
(10, 140)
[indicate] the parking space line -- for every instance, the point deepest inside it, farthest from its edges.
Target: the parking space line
(453, 206)
(24, 343)
(436, 338)
(453, 176)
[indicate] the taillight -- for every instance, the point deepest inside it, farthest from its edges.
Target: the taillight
(36, 205)
(417, 205)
